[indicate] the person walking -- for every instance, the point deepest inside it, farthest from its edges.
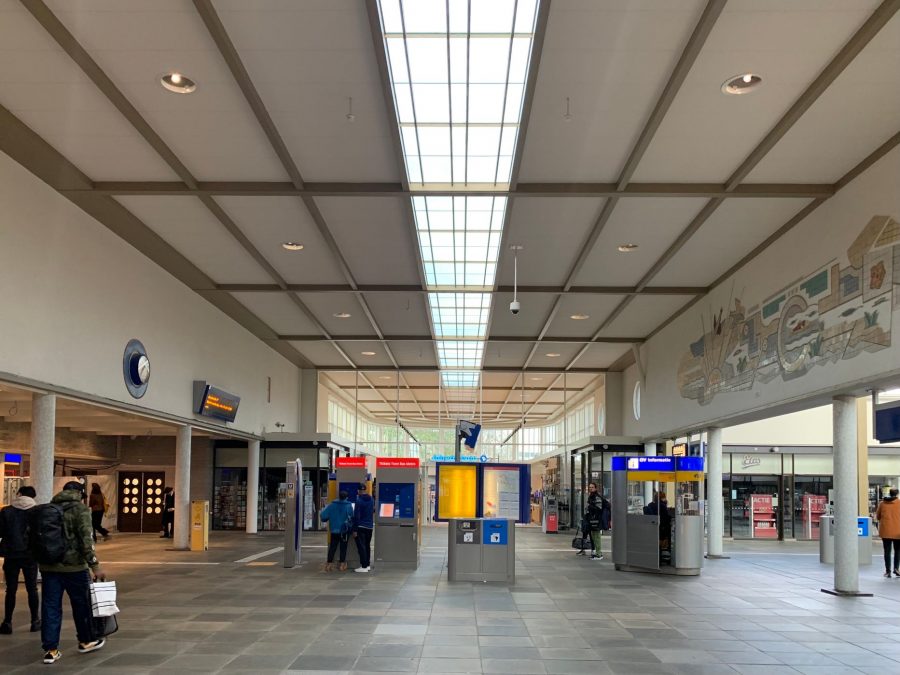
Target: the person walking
(339, 516)
(98, 505)
(888, 516)
(168, 515)
(61, 540)
(363, 525)
(590, 523)
(17, 557)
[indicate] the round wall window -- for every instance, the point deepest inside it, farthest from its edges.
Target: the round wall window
(636, 400)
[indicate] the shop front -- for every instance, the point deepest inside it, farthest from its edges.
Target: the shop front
(230, 496)
(783, 494)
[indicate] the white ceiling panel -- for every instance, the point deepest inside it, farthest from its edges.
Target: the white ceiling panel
(528, 322)
(566, 351)
(652, 223)
(730, 233)
(506, 354)
(321, 354)
(612, 60)
(44, 88)
(644, 314)
(376, 237)
(307, 60)
(195, 233)
(414, 354)
(325, 305)
(268, 222)
(278, 312)
(787, 44)
(829, 139)
(597, 307)
(602, 355)
(400, 313)
(213, 130)
(552, 230)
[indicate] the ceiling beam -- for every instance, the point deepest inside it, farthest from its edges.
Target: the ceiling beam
(407, 288)
(492, 339)
(810, 95)
(522, 190)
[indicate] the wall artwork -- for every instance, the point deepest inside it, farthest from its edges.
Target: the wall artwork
(833, 314)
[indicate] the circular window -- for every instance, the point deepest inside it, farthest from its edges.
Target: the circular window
(636, 400)
(136, 368)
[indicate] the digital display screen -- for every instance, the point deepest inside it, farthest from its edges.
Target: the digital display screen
(386, 511)
(218, 404)
(400, 496)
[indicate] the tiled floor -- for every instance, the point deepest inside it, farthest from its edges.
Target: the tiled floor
(759, 612)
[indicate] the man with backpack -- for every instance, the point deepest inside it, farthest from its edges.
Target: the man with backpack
(339, 516)
(61, 539)
(17, 558)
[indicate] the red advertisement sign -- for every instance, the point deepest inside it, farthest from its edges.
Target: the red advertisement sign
(350, 462)
(397, 462)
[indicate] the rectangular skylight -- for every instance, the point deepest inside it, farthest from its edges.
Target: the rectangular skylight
(460, 315)
(464, 354)
(461, 378)
(458, 71)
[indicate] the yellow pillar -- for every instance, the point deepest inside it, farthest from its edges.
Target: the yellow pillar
(862, 454)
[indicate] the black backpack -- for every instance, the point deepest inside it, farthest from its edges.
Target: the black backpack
(47, 533)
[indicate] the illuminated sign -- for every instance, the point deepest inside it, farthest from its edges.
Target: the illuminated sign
(397, 462)
(350, 462)
(661, 463)
(10, 458)
(211, 401)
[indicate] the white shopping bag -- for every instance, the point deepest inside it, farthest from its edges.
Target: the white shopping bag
(103, 598)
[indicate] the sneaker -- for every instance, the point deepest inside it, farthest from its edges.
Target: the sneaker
(52, 656)
(6, 628)
(897, 573)
(35, 625)
(87, 647)
(362, 569)
(596, 557)
(887, 575)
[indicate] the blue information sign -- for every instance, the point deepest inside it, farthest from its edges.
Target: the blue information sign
(654, 463)
(495, 532)
(862, 527)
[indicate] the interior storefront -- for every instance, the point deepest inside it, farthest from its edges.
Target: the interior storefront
(229, 499)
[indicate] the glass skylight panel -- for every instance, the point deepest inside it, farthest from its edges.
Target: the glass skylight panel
(466, 354)
(456, 64)
(461, 378)
(460, 315)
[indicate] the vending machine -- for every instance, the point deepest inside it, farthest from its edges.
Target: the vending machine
(397, 512)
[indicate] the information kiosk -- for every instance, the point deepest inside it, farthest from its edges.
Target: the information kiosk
(397, 513)
(293, 507)
(666, 535)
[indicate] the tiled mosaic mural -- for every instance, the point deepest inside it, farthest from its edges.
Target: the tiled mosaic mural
(832, 314)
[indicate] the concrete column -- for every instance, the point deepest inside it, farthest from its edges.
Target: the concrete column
(183, 488)
(614, 399)
(715, 505)
(43, 435)
(846, 552)
(649, 450)
(309, 401)
(862, 455)
(252, 485)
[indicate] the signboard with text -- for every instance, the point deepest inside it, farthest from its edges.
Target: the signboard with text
(397, 462)
(350, 462)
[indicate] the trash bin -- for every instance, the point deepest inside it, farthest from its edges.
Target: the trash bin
(826, 539)
(481, 549)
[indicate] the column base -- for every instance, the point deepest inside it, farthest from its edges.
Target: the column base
(717, 557)
(846, 594)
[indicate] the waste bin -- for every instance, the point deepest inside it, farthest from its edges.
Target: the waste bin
(464, 550)
(863, 538)
(481, 549)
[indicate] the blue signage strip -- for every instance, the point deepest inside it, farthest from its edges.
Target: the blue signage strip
(661, 463)
(11, 458)
(495, 532)
(862, 527)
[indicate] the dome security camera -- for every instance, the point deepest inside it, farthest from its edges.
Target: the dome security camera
(515, 306)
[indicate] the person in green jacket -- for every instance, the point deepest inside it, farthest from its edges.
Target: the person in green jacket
(72, 575)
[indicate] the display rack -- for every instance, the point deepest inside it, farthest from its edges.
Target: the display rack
(230, 506)
(764, 524)
(811, 511)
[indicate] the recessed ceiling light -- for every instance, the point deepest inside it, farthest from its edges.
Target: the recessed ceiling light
(741, 84)
(536, 379)
(580, 317)
(627, 248)
(292, 246)
(178, 83)
(552, 355)
(341, 315)
(385, 377)
(368, 353)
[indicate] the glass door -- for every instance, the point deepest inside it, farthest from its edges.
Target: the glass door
(755, 507)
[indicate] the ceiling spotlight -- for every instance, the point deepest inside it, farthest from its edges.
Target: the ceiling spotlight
(178, 83)
(580, 317)
(627, 248)
(385, 377)
(536, 379)
(368, 353)
(741, 84)
(292, 246)
(341, 315)
(552, 355)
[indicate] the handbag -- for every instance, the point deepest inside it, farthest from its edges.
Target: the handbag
(580, 543)
(103, 598)
(105, 625)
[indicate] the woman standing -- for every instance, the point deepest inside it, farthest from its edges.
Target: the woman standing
(888, 516)
(98, 505)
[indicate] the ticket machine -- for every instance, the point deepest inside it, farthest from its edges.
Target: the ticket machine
(397, 513)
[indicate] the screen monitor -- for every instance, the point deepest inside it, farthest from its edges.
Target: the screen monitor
(402, 498)
(218, 404)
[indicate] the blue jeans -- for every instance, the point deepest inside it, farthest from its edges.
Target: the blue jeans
(78, 586)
